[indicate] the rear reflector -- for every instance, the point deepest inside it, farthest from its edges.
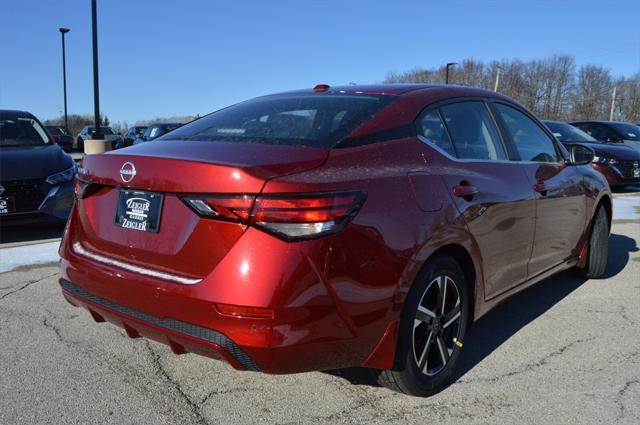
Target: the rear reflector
(288, 216)
(242, 312)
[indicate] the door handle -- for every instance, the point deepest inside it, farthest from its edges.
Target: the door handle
(465, 191)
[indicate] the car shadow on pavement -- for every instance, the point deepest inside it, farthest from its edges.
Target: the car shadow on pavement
(31, 233)
(506, 319)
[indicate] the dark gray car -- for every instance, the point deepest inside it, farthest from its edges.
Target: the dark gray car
(36, 175)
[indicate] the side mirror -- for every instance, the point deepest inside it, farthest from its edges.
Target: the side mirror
(581, 155)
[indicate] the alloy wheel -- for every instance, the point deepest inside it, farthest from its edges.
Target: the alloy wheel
(436, 325)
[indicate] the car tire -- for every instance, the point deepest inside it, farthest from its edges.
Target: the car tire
(598, 250)
(431, 334)
(80, 144)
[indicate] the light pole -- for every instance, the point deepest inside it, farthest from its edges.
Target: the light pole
(498, 69)
(450, 64)
(613, 103)
(63, 31)
(96, 93)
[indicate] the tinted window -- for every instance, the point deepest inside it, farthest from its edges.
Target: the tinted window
(472, 133)
(600, 132)
(431, 128)
(532, 142)
(568, 133)
(21, 131)
(628, 131)
(105, 130)
(315, 120)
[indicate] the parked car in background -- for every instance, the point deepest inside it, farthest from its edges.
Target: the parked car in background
(36, 175)
(132, 134)
(334, 227)
(156, 130)
(87, 134)
(612, 132)
(61, 137)
(619, 163)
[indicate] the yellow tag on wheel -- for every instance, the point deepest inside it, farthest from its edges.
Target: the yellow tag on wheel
(457, 343)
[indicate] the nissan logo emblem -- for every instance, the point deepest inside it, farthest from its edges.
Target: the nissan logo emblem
(127, 172)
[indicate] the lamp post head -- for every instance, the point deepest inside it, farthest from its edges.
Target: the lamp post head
(451, 64)
(64, 30)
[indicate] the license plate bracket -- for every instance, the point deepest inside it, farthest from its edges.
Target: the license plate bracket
(139, 210)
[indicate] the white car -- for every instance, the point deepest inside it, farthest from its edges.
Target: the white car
(87, 134)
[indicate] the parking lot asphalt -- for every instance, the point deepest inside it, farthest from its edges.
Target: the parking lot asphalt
(566, 351)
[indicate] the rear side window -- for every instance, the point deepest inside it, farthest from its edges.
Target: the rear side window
(314, 120)
(472, 131)
(531, 141)
(432, 130)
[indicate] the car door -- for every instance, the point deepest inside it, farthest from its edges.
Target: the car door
(559, 187)
(492, 194)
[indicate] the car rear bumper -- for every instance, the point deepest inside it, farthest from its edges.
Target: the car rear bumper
(182, 337)
(314, 331)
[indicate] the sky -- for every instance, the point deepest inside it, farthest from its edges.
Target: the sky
(172, 58)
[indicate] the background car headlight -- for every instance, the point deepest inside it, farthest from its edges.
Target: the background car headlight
(63, 176)
(601, 160)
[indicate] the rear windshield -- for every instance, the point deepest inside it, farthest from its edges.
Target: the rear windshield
(22, 131)
(105, 130)
(313, 120)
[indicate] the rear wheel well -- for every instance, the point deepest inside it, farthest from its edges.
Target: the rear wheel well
(462, 257)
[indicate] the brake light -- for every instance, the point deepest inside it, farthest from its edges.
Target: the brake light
(287, 216)
(82, 189)
(319, 88)
(230, 208)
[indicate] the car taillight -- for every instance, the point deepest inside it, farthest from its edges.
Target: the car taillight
(302, 216)
(287, 216)
(82, 189)
(229, 208)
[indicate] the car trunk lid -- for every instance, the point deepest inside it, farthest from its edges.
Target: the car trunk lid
(185, 243)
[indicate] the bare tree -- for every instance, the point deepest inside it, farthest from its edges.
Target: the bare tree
(550, 87)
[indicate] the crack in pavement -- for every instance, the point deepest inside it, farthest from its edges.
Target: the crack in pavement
(26, 285)
(193, 406)
(49, 325)
(621, 311)
(530, 366)
(620, 396)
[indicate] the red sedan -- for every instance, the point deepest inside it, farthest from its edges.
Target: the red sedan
(319, 229)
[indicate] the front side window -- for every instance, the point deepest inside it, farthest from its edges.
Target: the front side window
(313, 120)
(532, 143)
(599, 132)
(432, 130)
(472, 131)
